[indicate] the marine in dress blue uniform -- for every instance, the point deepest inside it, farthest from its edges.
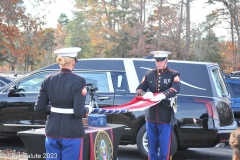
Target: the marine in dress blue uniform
(160, 118)
(62, 96)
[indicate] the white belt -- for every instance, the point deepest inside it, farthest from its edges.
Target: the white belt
(61, 110)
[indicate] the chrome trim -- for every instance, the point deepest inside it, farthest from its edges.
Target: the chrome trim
(3, 81)
(132, 77)
(120, 77)
(187, 84)
(227, 129)
(109, 78)
(94, 70)
(187, 95)
(220, 145)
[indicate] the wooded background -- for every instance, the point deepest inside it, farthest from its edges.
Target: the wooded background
(118, 28)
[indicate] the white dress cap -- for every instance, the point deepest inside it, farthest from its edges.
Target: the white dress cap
(68, 52)
(160, 54)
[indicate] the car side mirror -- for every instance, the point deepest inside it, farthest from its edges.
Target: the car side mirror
(12, 89)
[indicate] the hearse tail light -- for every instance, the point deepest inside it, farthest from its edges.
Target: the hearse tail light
(212, 112)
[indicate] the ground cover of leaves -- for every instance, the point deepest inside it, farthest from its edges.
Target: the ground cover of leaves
(12, 155)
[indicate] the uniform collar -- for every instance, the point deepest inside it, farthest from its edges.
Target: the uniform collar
(65, 70)
(162, 70)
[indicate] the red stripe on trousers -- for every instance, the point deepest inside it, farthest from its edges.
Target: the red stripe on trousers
(91, 147)
(81, 150)
(169, 147)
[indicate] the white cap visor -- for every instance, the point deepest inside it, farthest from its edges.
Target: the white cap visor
(68, 52)
(160, 54)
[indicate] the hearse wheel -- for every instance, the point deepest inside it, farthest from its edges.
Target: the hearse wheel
(142, 142)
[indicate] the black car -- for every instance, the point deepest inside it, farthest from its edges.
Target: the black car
(205, 117)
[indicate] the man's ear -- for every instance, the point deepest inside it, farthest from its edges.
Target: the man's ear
(73, 64)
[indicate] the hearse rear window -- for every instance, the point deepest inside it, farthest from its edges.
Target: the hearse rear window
(194, 76)
(219, 83)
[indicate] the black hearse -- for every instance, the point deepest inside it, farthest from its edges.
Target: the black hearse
(205, 117)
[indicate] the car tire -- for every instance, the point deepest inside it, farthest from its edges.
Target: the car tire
(174, 143)
(142, 142)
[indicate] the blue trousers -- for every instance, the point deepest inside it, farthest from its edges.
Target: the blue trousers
(159, 140)
(63, 148)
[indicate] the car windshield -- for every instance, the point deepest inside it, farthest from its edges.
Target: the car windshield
(33, 83)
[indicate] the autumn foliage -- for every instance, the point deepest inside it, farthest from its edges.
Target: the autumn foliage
(125, 29)
(21, 35)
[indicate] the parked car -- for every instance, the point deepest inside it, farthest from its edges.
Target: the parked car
(205, 117)
(4, 81)
(233, 83)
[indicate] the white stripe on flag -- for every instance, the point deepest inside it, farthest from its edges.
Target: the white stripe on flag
(135, 104)
(142, 108)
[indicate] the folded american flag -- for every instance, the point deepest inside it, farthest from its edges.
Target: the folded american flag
(138, 103)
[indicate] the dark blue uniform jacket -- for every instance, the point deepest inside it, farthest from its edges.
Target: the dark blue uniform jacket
(166, 81)
(63, 90)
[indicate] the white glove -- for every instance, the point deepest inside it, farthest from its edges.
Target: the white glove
(148, 95)
(139, 92)
(158, 97)
(90, 108)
